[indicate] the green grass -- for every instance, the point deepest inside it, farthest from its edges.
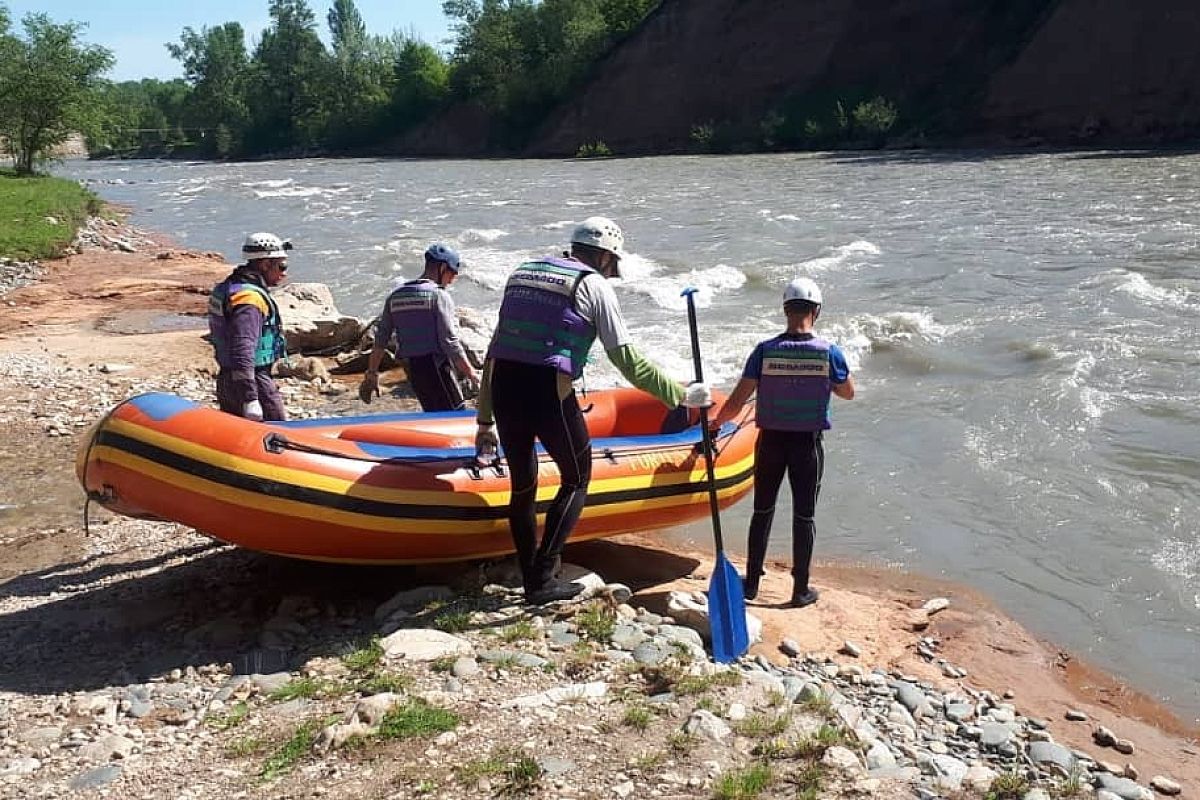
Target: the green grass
(381, 682)
(283, 760)
(520, 772)
(453, 621)
(637, 717)
(759, 725)
(25, 203)
(230, 719)
(744, 784)
(307, 688)
(366, 658)
(416, 718)
(245, 746)
(597, 622)
(1008, 786)
(519, 631)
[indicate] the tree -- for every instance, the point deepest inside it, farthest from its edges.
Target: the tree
(422, 82)
(361, 76)
(217, 66)
(288, 85)
(49, 87)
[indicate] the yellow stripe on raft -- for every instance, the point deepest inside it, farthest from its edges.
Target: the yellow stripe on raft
(400, 525)
(313, 480)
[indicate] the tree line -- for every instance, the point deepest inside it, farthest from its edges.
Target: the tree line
(288, 92)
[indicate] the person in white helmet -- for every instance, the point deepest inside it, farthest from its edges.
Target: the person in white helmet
(553, 310)
(247, 332)
(794, 375)
(421, 316)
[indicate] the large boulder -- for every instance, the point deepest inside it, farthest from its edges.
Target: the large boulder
(311, 320)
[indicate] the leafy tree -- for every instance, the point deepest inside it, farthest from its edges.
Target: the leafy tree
(361, 76)
(216, 64)
(49, 87)
(421, 82)
(288, 85)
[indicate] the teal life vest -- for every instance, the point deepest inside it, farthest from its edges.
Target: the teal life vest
(271, 344)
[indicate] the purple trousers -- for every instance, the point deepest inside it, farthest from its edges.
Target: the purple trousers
(234, 391)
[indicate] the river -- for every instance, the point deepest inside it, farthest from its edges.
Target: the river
(1023, 330)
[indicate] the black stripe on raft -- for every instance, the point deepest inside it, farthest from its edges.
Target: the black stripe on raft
(378, 508)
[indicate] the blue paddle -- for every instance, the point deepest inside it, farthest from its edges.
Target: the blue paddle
(726, 605)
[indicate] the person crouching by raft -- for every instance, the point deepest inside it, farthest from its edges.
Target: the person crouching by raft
(247, 332)
(794, 374)
(551, 312)
(422, 317)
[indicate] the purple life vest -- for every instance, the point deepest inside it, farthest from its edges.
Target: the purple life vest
(414, 314)
(271, 345)
(538, 320)
(794, 388)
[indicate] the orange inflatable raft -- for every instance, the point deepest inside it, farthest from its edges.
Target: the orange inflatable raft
(389, 488)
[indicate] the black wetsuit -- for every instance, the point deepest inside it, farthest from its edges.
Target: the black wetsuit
(434, 383)
(801, 455)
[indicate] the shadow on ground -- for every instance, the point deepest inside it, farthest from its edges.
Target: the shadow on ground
(111, 624)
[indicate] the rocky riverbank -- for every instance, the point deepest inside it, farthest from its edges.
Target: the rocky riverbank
(138, 659)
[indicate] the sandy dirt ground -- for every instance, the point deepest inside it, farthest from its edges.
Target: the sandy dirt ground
(144, 310)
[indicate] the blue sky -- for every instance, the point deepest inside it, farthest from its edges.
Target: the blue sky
(137, 30)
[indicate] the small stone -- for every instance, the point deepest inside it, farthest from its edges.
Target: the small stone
(1075, 715)
(851, 649)
(1164, 785)
(917, 619)
(1123, 746)
(1103, 736)
(934, 605)
(1130, 772)
(790, 648)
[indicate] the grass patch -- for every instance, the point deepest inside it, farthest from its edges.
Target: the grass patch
(416, 718)
(682, 742)
(25, 205)
(381, 682)
(744, 784)
(581, 661)
(245, 746)
(453, 621)
(818, 705)
(596, 622)
(443, 664)
(283, 760)
(699, 684)
(1073, 785)
(808, 781)
(366, 658)
(306, 688)
(230, 719)
(519, 631)
(520, 772)
(759, 726)
(814, 746)
(637, 717)
(1008, 786)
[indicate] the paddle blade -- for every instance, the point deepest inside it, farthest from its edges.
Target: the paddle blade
(727, 612)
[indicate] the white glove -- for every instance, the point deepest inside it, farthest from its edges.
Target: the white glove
(252, 410)
(486, 444)
(698, 395)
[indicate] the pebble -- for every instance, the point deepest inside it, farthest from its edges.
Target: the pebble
(1074, 715)
(1164, 785)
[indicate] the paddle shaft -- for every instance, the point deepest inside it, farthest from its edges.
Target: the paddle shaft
(705, 434)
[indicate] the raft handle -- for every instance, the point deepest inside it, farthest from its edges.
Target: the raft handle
(275, 443)
(610, 455)
(475, 469)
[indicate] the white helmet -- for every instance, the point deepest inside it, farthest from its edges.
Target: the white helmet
(805, 289)
(600, 232)
(264, 245)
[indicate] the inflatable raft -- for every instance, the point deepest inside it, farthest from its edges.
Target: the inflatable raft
(389, 488)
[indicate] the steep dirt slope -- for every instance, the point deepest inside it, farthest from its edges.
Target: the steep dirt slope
(733, 61)
(1109, 71)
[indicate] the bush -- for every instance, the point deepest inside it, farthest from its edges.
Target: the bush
(596, 149)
